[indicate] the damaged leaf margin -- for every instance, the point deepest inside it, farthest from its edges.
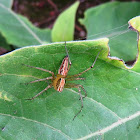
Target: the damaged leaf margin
(49, 109)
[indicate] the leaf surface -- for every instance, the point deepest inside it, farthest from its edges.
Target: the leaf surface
(6, 3)
(19, 31)
(3, 42)
(63, 29)
(111, 108)
(110, 20)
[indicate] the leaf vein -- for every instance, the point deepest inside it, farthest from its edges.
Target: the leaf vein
(22, 23)
(98, 104)
(44, 124)
(112, 126)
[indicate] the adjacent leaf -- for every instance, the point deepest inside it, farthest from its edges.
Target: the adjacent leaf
(101, 21)
(43, 34)
(3, 43)
(134, 24)
(19, 31)
(6, 3)
(111, 108)
(63, 29)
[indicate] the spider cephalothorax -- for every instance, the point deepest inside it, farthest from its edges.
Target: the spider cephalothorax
(58, 81)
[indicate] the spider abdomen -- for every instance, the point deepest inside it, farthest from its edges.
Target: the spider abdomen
(59, 81)
(63, 70)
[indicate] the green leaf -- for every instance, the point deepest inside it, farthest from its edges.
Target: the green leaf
(134, 24)
(111, 108)
(6, 3)
(18, 31)
(43, 34)
(63, 29)
(103, 20)
(3, 43)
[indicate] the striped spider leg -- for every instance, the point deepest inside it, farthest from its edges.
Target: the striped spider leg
(58, 81)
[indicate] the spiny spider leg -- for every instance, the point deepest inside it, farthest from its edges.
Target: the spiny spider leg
(77, 75)
(81, 103)
(49, 86)
(48, 78)
(83, 90)
(71, 85)
(40, 69)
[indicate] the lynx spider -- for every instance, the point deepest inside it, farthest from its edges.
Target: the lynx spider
(58, 81)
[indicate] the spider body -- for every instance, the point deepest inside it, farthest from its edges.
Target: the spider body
(63, 70)
(59, 81)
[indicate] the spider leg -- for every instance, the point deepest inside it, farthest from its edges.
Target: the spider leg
(67, 53)
(68, 57)
(48, 78)
(81, 103)
(73, 78)
(40, 69)
(83, 90)
(71, 85)
(77, 75)
(49, 86)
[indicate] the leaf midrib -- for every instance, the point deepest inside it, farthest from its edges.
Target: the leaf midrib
(112, 126)
(102, 131)
(23, 24)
